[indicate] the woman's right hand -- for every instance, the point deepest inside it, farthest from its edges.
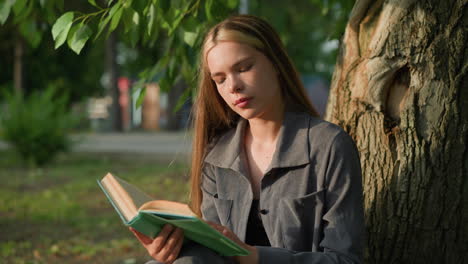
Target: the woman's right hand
(165, 247)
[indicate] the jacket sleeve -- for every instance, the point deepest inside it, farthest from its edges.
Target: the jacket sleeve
(343, 232)
(209, 193)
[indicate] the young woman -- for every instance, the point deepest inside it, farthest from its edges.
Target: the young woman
(266, 171)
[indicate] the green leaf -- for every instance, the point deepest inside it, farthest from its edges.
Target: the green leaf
(190, 24)
(31, 33)
(183, 99)
(24, 13)
(102, 25)
(141, 96)
(208, 7)
(62, 23)
(79, 38)
(151, 18)
(71, 33)
(93, 3)
(115, 8)
(19, 6)
(164, 84)
(116, 19)
(5, 8)
(61, 27)
(134, 36)
(190, 38)
(136, 18)
(176, 22)
(127, 18)
(128, 3)
(150, 39)
(163, 62)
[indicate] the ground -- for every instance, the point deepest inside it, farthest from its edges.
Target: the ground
(58, 214)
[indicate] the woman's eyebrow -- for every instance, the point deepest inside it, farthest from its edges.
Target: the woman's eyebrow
(233, 66)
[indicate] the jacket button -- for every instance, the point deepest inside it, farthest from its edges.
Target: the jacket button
(264, 211)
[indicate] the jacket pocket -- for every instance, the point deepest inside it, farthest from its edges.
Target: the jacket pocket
(223, 208)
(298, 220)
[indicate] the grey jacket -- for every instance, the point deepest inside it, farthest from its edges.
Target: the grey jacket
(311, 195)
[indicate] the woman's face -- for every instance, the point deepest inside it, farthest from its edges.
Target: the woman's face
(246, 80)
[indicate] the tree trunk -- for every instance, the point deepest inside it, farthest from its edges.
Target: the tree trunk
(18, 65)
(112, 71)
(400, 89)
(174, 118)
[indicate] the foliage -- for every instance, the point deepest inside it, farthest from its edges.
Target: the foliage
(43, 65)
(179, 25)
(310, 29)
(62, 216)
(163, 36)
(174, 29)
(30, 17)
(37, 126)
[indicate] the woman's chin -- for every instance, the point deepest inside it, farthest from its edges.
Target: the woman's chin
(247, 113)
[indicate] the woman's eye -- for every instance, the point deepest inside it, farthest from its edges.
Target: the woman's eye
(245, 68)
(219, 80)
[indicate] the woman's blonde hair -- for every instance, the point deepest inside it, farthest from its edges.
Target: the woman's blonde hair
(212, 115)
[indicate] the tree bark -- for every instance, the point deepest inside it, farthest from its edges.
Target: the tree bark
(400, 89)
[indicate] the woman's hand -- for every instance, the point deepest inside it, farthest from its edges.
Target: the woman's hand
(165, 247)
(252, 258)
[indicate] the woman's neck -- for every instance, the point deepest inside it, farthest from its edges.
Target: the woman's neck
(263, 131)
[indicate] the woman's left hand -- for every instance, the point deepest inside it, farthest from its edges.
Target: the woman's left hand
(252, 258)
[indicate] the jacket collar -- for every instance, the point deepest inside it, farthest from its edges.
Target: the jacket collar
(292, 148)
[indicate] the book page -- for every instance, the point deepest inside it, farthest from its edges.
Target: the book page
(138, 196)
(124, 195)
(168, 207)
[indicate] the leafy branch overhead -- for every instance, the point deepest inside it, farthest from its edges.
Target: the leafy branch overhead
(29, 18)
(177, 26)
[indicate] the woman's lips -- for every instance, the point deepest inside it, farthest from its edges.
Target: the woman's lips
(242, 102)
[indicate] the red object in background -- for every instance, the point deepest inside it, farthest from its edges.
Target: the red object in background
(124, 101)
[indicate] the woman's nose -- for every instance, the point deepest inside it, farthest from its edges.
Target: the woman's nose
(235, 84)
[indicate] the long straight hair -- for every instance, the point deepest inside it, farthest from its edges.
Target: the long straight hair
(212, 116)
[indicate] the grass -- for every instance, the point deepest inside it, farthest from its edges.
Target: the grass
(58, 214)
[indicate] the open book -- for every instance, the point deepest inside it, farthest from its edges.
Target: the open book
(148, 216)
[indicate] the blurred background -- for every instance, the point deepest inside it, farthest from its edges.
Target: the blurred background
(88, 87)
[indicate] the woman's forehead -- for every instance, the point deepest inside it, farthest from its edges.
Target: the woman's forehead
(229, 52)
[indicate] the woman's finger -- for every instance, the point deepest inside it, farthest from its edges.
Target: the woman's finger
(160, 240)
(170, 244)
(141, 237)
(222, 229)
(218, 227)
(227, 233)
(175, 252)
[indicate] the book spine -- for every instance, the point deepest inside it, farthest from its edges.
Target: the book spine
(145, 226)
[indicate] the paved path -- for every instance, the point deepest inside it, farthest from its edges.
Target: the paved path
(165, 143)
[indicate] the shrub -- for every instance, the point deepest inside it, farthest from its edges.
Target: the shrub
(38, 126)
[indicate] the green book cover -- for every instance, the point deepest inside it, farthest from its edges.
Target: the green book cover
(134, 208)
